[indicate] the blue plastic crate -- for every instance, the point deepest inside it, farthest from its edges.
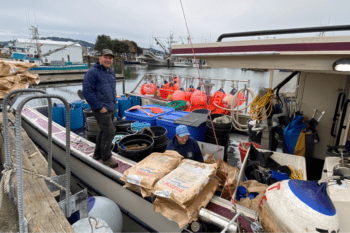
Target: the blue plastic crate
(138, 115)
(168, 120)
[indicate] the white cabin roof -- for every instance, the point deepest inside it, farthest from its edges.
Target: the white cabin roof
(306, 53)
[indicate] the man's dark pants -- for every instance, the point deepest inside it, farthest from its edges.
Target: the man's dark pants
(104, 138)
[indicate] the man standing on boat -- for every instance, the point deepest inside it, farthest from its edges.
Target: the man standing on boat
(185, 145)
(99, 91)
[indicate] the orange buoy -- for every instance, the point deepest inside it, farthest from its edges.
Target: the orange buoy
(163, 93)
(218, 97)
(199, 98)
(179, 95)
(176, 79)
(239, 99)
(150, 88)
(142, 89)
(170, 89)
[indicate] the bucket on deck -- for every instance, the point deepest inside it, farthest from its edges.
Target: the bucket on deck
(92, 125)
(88, 113)
(244, 151)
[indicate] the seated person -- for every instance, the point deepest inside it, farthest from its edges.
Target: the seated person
(185, 145)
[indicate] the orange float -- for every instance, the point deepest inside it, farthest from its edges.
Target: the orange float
(150, 88)
(176, 79)
(199, 98)
(218, 97)
(170, 89)
(175, 86)
(240, 99)
(142, 89)
(179, 95)
(227, 100)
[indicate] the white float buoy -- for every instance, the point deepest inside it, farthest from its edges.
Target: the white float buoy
(300, 206)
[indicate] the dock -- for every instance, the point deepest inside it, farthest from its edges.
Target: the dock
(64, 76)
(40, 206)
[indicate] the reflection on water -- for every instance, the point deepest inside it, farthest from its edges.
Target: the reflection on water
(69, 91)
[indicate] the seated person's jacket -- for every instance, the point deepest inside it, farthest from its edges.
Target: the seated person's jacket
(190, 150)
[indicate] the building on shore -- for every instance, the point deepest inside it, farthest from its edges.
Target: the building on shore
(69, 54)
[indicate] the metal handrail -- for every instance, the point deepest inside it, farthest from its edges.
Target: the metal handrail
(19, 172)
(285, 31)
(6, 130)
(156, 76)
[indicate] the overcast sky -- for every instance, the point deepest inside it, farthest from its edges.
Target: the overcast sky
(138, 20)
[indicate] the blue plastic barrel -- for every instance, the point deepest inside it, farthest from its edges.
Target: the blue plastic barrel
(76, 116)
(124, 103)
(57, 115)
(135, 100)
(84, 105)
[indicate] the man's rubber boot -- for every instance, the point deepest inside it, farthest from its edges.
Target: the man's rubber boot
(110, 163)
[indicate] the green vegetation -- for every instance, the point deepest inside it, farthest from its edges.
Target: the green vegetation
(127, 73)
(118, 68)
(117, 46)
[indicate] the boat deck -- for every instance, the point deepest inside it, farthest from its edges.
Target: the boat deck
(40, 206)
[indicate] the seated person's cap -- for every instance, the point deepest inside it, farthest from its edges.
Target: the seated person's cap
(182, 130)
(107, 52)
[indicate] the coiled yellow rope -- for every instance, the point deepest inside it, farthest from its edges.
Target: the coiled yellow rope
(257, 107)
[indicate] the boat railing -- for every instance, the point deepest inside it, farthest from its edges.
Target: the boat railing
(207, 83)
(54, 183)
(285, 31)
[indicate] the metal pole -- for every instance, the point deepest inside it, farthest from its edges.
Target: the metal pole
(217, 220)
(285, 31)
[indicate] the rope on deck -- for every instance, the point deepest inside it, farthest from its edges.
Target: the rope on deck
(5, 181)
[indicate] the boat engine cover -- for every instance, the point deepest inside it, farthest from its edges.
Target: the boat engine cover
(300, 206)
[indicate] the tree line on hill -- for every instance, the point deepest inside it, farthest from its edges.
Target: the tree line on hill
(117, 46)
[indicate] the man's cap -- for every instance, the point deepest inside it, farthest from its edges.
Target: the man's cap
(107, 52)
(182, 130)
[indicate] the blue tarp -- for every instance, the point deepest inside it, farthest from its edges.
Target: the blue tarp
(292, 131)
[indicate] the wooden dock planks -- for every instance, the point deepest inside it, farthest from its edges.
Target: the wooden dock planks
(40, 207)
(59, 76)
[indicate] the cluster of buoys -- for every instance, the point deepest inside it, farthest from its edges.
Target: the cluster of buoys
(195, 98)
